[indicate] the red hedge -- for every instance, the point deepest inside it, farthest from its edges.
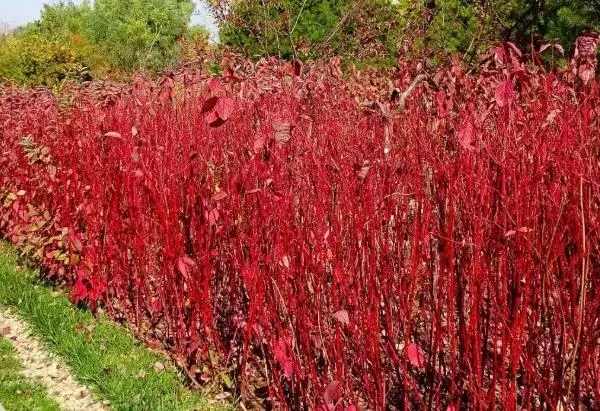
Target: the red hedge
(332, 256)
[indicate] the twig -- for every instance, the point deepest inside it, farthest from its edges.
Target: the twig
(408, 91)
(582, 290)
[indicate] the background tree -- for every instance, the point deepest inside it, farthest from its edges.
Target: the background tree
(466, 27)
(370, 29)
(360, 30)
(139, 34)
(106, 37)
(194, 44)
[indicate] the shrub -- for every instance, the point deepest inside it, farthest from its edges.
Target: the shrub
(35, 60)
(439, 251)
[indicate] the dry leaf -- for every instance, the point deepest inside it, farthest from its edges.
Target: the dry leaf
(283, 133)
(342, 316)
(113, 134)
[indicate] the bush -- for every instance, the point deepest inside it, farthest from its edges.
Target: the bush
(35, 60)
(440, 252)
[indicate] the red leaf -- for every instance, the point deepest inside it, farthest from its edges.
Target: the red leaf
(283, 357)
(556, 46)
(214, 120)
(342, 316)
(224, 108)
(214, 84)
(465, 135)
(213, 216)
(332, 394)
(77, 244)
(523, 230)
(285, 261)
(79, 291)
(183, 268)
(504, 93)
(416, 356)
(220, 196)
(189, 261)
(514, 48)
(586, 72)
(297, 67)
(258, 144)
(209, 105)
(364, 170)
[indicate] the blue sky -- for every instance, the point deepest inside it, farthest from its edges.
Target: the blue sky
(17, 12)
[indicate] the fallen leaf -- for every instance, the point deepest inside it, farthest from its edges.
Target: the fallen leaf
(142, 374)
(158, 366)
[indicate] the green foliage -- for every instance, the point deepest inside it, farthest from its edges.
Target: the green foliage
(35, 60)
(462, 26)
(311, 28)
(194, 43)
(139, 34)
(106, 36)
(569, 18)
(64, 25)
(378, 29)
(448, 26)
(113, 37)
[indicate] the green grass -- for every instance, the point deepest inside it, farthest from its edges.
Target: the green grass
(16, 392)
(101, 354)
